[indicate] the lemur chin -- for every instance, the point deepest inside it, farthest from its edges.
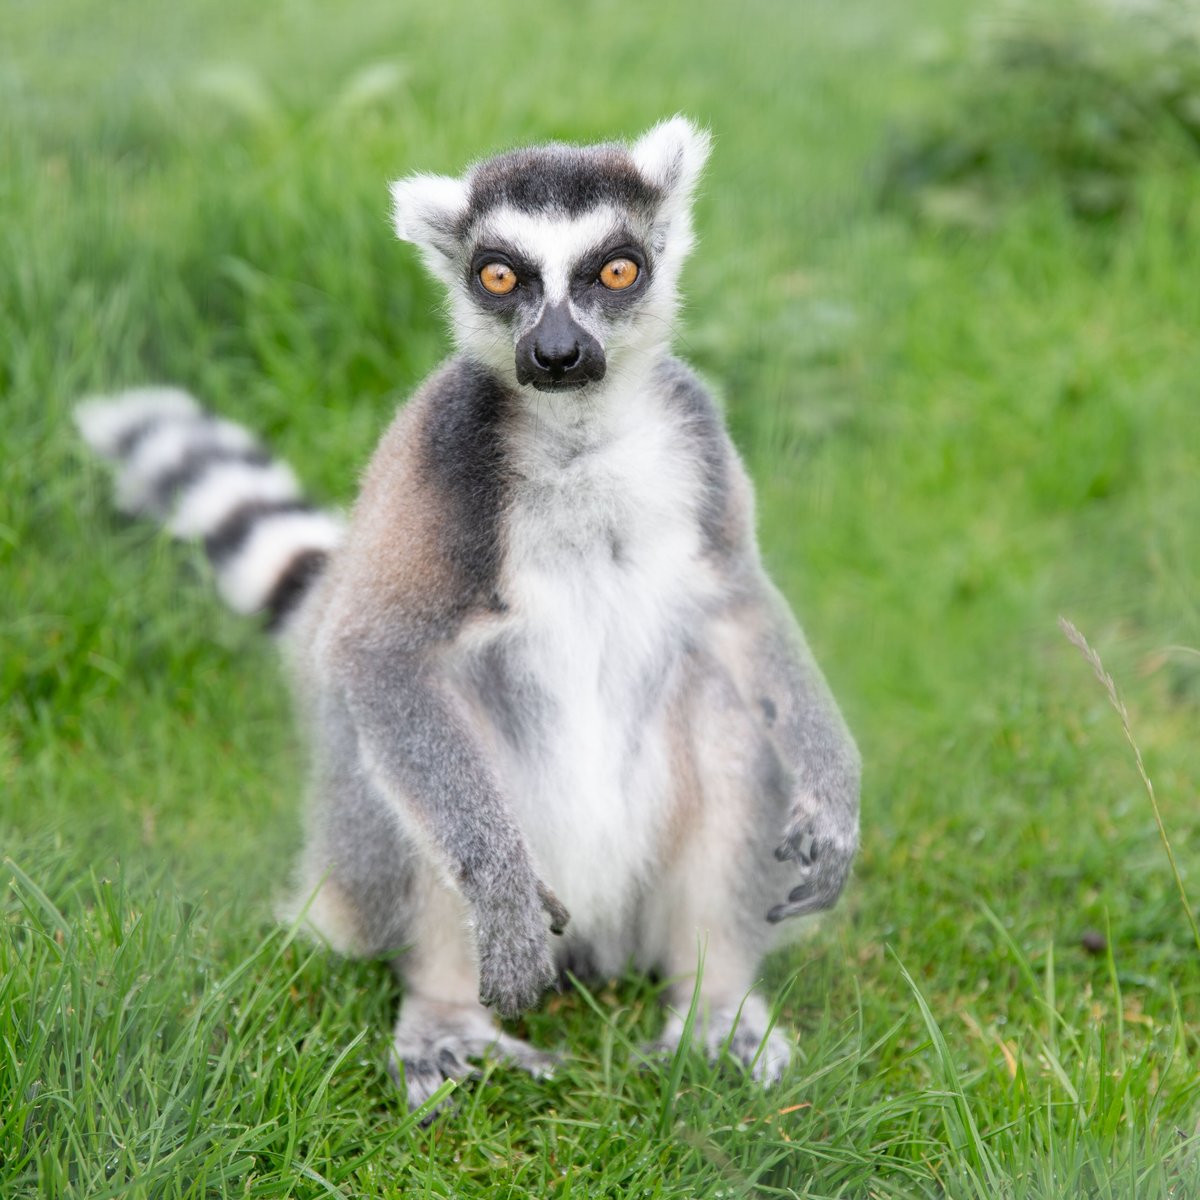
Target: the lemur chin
(559, 716)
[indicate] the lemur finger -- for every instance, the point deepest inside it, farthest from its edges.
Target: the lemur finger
(559, 917)
(781, 912)
(799, 846)
(811, 897)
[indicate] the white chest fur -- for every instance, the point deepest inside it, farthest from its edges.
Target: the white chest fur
(602, 573)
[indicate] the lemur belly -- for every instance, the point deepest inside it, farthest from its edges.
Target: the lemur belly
(601, 580)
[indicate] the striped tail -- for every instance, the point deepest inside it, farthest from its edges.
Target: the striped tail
(209, 478)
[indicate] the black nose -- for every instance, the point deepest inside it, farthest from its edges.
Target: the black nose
(556, 356)
(558, 353)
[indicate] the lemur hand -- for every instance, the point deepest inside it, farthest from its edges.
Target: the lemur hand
(515, 964)
(822, 846)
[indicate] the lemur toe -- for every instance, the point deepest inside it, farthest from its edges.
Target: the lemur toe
(541, 1064)
(795, 908)
(453, 1065)
(421, 1077)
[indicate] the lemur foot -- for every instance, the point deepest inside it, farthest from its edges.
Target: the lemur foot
(438, 1040)
(745, 1035)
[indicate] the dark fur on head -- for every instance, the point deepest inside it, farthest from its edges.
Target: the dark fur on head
(558, 178)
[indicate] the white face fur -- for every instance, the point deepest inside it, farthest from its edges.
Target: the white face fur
(562, 262)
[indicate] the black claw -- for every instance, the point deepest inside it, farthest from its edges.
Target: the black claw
(778, 913)
(784, 852)
(802, 892)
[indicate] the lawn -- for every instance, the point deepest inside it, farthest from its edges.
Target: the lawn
(967, 392)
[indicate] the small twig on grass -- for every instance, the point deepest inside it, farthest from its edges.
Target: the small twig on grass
(1081, 643)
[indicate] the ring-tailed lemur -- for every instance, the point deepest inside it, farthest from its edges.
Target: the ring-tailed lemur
(543, 669)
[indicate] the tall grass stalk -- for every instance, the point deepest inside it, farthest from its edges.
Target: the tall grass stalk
(1072, 634)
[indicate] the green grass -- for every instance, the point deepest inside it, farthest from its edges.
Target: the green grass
(958, 433)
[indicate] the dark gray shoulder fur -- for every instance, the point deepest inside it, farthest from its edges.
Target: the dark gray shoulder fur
(723, 531)
(462, 456)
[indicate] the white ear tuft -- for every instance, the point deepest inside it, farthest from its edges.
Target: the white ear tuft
(425, 209)
(672, 155)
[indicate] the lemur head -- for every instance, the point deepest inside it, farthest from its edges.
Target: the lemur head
(562, 261)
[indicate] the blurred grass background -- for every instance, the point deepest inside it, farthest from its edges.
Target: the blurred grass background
(946, 283)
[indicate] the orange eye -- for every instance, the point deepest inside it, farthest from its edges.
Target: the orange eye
(498, 278)
(619, 274)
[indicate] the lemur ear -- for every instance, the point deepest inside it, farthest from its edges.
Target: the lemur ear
(426, 209)
(671, 156)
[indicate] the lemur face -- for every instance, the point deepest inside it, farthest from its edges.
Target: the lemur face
(562, 261)
(556, 290)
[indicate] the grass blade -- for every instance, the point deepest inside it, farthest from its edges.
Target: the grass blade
(1072, 634)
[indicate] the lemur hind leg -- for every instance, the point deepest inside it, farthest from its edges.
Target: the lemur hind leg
(442, 1027)
(720, 877)
(358, 868)
(370, 891)
(382, 898)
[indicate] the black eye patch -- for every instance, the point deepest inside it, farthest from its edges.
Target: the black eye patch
(586, 287)
(529, 280)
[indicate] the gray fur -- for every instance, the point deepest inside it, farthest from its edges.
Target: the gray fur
(419, 745)
(719, 517)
